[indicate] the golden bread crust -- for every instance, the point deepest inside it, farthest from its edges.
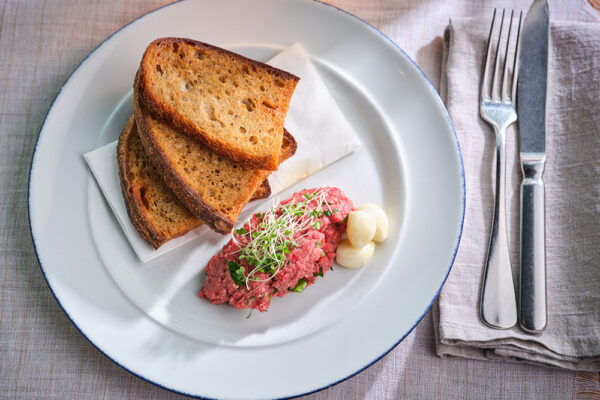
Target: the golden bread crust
(234, 105)
(139, 185)
(213, 189)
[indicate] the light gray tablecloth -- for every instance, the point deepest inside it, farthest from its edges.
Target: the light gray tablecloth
(572, 179)
(43, 356)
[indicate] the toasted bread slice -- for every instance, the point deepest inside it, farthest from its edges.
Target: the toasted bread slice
(234, 105)
(212, 187)
(152, 207)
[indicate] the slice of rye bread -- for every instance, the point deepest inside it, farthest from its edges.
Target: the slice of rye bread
(234, 105)
(153, 209)
(212, 187)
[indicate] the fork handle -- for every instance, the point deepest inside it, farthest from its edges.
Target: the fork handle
(532, 298)
(498, 301)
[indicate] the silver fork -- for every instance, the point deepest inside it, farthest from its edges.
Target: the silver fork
(498, 301)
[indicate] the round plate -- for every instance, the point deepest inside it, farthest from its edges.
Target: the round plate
(147, 317)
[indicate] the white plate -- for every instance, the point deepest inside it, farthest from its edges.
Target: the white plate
(147, 317)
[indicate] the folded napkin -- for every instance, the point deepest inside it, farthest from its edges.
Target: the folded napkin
(572, 177)
(321, 130)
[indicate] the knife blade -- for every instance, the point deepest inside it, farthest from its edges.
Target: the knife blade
(531, 110)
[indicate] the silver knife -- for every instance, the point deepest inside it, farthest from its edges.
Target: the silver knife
(531, 109)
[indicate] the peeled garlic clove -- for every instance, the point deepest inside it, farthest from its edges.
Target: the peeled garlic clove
(381, 220)
(351, 257)
(361, 228)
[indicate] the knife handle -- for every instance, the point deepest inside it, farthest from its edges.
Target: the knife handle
(532, 297)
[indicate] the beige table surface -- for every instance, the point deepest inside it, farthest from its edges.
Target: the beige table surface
(42, 355)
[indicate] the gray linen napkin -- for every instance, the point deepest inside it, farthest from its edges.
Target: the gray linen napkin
(572, 176)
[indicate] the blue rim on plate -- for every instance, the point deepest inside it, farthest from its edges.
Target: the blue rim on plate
(462, 172)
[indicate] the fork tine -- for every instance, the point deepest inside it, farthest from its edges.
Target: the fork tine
(516, 61)
(485, 94)
(495, 93)
(505, 93)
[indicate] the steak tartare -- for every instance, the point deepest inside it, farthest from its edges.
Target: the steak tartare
(284, 249)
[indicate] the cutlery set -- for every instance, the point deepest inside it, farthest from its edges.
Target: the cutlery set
(501, 104)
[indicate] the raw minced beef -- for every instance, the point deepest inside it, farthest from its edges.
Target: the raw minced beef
(300, 237)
